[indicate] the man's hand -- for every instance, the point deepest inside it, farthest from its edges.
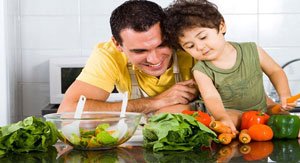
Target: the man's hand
(180, 93)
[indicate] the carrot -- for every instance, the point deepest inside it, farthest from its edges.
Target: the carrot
(225, 138)
(219, 127)
(293, 98)
(276, 109)
(245, 149)
(244, 137)
(225, 154)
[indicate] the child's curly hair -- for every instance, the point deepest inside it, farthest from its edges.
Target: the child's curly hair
(185, 14)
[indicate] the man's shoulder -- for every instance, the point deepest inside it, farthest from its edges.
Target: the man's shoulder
(107, 56)
(185, 58)
(108, 47)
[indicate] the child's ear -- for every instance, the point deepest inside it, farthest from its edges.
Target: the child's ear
(222, 28)
(118, 45)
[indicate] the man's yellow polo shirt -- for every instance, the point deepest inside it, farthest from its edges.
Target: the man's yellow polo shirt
(107, 66)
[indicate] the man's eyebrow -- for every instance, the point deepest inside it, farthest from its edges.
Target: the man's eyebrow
(137, 50)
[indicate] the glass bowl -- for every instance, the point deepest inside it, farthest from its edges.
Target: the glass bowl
(94, 130)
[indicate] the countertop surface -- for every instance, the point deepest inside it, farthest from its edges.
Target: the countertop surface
(277, 150)
(270, 151)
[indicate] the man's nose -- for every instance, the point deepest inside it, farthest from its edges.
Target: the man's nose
(153, 57)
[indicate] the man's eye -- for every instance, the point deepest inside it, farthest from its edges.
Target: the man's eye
(139, 51)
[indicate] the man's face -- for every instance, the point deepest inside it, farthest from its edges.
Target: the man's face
(146, 50)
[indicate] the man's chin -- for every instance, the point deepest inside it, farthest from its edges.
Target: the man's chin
(156, 73)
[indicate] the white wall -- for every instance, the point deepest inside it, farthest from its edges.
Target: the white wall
(71, 28)
(3, 73)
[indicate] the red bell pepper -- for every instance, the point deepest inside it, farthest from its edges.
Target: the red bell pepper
(200, 116)
(250, 118)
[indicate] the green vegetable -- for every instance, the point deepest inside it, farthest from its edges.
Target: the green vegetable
(179, 156)
(285, 126)
(31, 134)
(92, 156)
(176, 132)
(286, 151)
(106, 139)
(101, 136)
(32, 157)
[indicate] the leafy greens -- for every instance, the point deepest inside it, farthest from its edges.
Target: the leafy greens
(176, 132)
(31, 134)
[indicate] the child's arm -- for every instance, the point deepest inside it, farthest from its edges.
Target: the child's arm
(212, 99)
(277, 76)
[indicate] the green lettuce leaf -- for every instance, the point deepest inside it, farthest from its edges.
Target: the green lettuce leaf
(176, 132)
(31, 134)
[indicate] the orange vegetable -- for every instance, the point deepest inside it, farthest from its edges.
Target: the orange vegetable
(260, 132)
(276, 109)
(219, 127)
(245, 149)
(200, 116)
(259, 150)
(225, 138)
(225, 154)
(244, 136)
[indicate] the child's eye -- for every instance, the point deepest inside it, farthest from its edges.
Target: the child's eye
(202, 38)
(190, 47)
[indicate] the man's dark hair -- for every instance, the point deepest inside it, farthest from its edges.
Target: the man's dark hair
(139, 15)
(187, 14)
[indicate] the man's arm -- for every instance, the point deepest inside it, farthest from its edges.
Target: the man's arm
(180, 93)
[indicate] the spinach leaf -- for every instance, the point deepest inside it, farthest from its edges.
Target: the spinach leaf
(177, 132)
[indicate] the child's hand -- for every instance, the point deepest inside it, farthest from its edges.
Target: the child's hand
(228, 122)
(286, 105)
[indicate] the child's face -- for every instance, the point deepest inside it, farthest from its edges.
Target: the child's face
(203, 43)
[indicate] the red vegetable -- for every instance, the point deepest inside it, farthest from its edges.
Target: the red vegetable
(200, 116)
(250, 118)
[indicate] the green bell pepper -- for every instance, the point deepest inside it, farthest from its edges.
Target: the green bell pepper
(285, 126)
(286, 150)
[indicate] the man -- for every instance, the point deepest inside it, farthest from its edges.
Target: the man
(137, 54)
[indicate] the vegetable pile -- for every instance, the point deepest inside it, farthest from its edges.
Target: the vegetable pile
(255, 125)
(177, 132)
(100, 137)
(31, 134)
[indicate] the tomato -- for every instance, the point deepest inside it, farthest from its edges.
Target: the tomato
(188, 112)
(200, 116)
(250, 118)
(259, 150)
(260, 132)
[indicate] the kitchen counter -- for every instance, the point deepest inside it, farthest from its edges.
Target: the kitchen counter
(276, 150)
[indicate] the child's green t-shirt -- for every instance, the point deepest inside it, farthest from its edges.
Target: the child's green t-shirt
(241, 87)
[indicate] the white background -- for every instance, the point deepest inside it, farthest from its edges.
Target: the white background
(38, 30)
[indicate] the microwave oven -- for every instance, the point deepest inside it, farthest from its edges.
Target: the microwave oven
(63, 72)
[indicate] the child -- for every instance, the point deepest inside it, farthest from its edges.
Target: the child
(229, 74)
